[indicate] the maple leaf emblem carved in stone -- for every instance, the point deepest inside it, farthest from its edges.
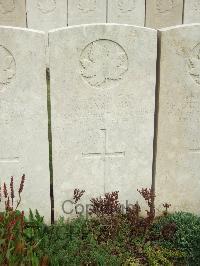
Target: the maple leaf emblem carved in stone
(103, 62)
(87, 5)
(164, 5)
(7, 66)
(194, 64)
(46, 6)
(126, 5)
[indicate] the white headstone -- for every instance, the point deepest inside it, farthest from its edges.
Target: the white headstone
(13, 13)
(103, 86)
(86, 11)
(46, 14)
(126, 12)
(192, 11)
(163, 13)
(23, 116)
(178, 155)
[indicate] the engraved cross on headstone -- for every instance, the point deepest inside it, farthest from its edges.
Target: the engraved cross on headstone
(104, 155)
(197, 151)
(9, 160)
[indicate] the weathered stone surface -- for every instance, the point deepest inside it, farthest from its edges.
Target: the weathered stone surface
(23, 116)
(13, 13)
(86, 11)
(163, 13)
(178, 155)
(126, 12)
(103, 86)
(46, 14)
(192, 11)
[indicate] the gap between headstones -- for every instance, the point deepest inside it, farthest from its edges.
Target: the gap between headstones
(157, 88)
(50, 144)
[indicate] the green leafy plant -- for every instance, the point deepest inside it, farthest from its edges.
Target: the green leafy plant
(109, 236)
(14, 250)
(35, 227)
(157, 256)
(181, 231)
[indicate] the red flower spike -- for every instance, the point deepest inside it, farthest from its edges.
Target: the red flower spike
(12, 195)
(5, 192)
(0, 194)
(21, 187)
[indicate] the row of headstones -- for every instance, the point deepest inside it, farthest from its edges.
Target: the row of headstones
(102, 80)
(51, 14)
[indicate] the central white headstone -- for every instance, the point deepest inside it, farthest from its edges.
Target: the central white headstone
(102, 89)
(23, 117)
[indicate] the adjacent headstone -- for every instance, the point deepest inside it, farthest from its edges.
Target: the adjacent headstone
(23, 116)
(46, 14)
(13, 13)
(102, 90)
(126, 12)
(86, 11)
(163, 13)
(192, 11)
(178, 155)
